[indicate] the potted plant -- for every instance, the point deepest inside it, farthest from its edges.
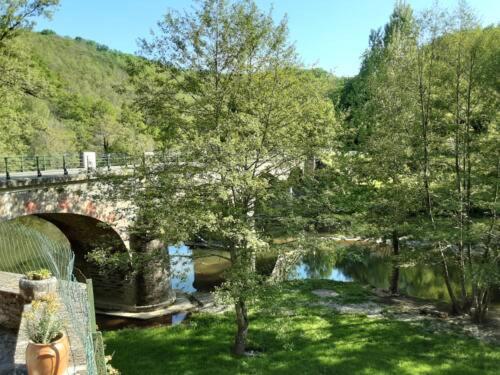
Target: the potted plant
(36, 284)
(110, 370)
(47, 352)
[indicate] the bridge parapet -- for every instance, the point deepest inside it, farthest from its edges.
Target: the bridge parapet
(39, 166)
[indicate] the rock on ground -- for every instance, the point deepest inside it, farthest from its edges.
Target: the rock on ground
(206, 303)
(367, 308)
(324, 293)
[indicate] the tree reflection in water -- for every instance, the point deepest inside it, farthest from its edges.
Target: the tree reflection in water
(202, 269)
(370, 264)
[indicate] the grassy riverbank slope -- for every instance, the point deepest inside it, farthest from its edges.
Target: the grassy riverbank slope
(299, 334)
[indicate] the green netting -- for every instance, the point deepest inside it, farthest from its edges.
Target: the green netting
(99, 353)
(24, 249)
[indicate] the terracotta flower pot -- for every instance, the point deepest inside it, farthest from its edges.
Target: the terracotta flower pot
(48, 359)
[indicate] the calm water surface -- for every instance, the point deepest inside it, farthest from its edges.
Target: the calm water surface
(201, 269)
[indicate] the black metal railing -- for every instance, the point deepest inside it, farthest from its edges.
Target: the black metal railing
(114, 160)
(38, 165)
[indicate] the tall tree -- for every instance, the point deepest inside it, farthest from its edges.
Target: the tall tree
(16, 15)
(223, 93)
(384, 166)
(465, 165)
(432, 89)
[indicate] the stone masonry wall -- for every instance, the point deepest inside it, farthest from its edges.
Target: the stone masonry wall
(11, 302)
(11, 307)
(75, 197)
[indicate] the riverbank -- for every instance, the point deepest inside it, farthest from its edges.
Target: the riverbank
(310, 327)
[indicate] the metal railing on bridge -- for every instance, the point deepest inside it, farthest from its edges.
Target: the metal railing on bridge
(40, 165)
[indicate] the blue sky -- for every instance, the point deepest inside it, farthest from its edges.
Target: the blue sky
(331, 34)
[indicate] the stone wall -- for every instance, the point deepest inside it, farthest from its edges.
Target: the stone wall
(11, 301)
(11, 309)
(113, 290)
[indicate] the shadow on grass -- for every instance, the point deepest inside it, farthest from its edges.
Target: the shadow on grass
(344, 345)
(314, 341)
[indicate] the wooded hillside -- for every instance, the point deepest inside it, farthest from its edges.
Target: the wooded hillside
(63, 94)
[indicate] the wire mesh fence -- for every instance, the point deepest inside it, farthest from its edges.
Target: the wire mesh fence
(23, 249)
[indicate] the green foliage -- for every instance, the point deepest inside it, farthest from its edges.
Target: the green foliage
(233, 124)
(63, 95)
(47, 32)
(222, 91)
(427, 111)
(16, 15)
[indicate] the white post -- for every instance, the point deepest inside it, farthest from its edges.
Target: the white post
(89, 160)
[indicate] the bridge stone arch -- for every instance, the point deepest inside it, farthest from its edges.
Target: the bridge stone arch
(75, 205)
(112, 289)
(80, 197)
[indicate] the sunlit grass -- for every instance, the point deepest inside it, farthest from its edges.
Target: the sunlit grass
(294, 337)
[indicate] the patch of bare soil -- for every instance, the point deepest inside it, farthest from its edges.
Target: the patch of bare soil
(436, 317)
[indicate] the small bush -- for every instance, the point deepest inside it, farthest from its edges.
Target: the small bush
(48, 32)
(102, 47)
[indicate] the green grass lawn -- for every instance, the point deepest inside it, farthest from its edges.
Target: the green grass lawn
(296, 338)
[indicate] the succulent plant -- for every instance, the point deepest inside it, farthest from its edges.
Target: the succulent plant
(41, 274)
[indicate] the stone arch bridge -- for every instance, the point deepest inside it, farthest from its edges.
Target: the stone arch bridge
(64, 191)
(71, 199)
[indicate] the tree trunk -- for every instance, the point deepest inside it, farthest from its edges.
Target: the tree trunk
(481, 303)
(285, 262)
(455, 308)
(394, 282)
(240, 339)
(425, 109)
(105, 145)
(244, 259)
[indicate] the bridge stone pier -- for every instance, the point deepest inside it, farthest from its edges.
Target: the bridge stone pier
(76, 204)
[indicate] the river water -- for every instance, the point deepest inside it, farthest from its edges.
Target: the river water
(202, 269)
